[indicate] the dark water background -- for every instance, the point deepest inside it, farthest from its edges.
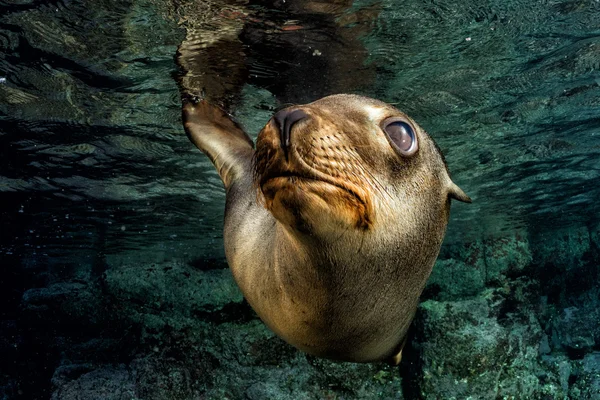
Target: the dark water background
(95, 170)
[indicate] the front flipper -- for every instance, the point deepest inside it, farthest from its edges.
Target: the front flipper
(229, 148)
(396, 358)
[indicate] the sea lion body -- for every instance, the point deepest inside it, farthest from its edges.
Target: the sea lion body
(331, 229)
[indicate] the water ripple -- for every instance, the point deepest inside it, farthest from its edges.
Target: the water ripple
(90, 114)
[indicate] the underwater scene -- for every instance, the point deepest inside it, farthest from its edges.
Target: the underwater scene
(114, 274)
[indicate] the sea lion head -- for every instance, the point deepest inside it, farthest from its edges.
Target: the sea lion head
(349, 165)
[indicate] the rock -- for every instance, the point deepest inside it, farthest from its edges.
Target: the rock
(467, 349)
(64, 306)
(110, 383)
(452, 280)
(507, 256)
(544, 345)
(226, 361)
(167, 375)
(173, 374)
(587, 385)
(556, 375)
(174, 296)
(464, 270)
(566, 248)
(575, 328)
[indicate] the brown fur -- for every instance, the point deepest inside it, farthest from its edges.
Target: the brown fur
(332, 244)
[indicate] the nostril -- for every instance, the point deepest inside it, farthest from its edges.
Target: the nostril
(285, 119)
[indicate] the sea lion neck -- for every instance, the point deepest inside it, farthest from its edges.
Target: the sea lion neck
(301, 238)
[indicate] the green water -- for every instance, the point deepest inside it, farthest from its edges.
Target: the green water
(101, 189)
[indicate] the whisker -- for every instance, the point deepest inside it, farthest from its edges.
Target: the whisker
(342, 234)
(362, 241)
(376, 183)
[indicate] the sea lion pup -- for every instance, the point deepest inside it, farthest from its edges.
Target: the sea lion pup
(333, 223)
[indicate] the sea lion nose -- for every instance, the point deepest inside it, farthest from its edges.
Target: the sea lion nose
(284, 120)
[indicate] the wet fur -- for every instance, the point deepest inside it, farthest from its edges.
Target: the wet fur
(337, 268)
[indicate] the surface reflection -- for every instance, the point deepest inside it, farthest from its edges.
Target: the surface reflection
(299, 51)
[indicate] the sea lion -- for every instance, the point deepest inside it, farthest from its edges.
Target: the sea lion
(333, 223)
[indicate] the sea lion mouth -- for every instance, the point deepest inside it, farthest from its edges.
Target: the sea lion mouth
(293, 178)
(341, 196)
(289, 175)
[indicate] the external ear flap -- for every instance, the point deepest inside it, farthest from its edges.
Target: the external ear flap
(454, 192)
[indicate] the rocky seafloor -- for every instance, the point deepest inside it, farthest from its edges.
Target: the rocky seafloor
(506, 318)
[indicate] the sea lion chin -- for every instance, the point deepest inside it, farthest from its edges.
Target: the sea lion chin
(334, 222)
(303, 203)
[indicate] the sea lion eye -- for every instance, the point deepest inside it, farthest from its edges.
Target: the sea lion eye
(401, 135)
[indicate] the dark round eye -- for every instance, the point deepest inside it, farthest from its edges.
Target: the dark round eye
(402, 136)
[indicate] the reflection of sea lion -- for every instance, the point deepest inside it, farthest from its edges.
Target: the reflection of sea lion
(296, 49)
(333, 230)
